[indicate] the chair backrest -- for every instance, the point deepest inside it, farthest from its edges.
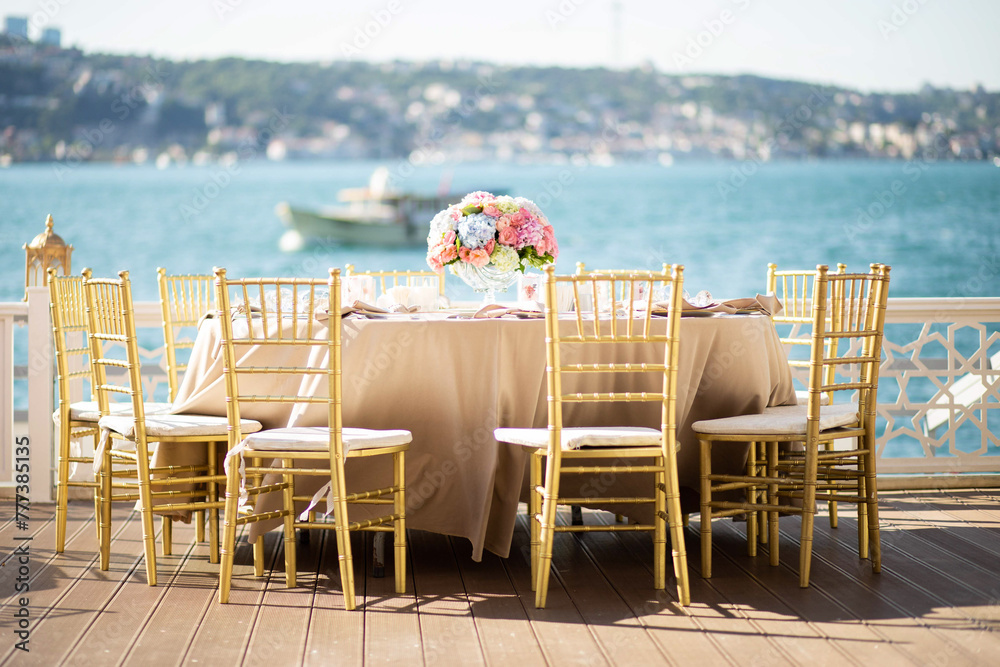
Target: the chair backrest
(293, 323)
(68, 307)
(794, 288)
(846, 357)
(621, 296)
(631, 326)
(184, 300)
(389, 279)
(111, 321)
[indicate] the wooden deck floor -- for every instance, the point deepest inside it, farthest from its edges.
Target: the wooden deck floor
(935, 602)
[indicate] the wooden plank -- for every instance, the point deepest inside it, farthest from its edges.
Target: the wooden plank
(612, 622)
(225, 629)
(836, 622)
(502, 623)
(447, 627)
(392, 627)
(335, 634)
(279, 633)
(727, 623)
(109, 634)
(179, 611)
(70, 593)
(658, 611)
(561, 629)
(891, 603)
(41, 548)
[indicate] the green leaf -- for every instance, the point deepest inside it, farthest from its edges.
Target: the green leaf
(472, 208)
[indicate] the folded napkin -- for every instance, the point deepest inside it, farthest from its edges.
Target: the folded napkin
(765, 304)
(367, 310)
(496, 310)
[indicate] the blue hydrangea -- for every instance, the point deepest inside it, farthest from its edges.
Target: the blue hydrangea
(475, 230)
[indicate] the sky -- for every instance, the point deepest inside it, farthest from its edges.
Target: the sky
(871, 45)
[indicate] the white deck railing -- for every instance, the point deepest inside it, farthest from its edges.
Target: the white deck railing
(939, 394)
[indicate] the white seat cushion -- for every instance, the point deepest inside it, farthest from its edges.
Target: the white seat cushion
(802, 398)
(781, 420)
(173, 426)
(580, 437)
(317, 439)
(87, 411)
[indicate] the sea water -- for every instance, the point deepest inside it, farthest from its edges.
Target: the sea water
(937, 224)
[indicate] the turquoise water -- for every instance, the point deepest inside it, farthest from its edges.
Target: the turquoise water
(940, 228)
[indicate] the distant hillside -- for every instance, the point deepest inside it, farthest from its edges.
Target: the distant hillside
(63, 104)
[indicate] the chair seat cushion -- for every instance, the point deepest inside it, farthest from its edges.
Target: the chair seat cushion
(175, 426)
(317, 439)
(780, 420)
(88, 411)
(583, 436)
(802, 397)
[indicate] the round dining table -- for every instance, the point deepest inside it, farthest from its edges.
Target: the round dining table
(451, 381)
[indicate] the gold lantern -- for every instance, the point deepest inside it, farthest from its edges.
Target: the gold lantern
(45, 250)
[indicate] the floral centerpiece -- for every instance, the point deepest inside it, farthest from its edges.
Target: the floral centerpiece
(485, 239)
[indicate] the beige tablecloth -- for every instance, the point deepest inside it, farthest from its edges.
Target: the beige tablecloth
(451, 382)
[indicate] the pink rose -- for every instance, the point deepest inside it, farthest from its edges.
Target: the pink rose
(463, 254)
(507, 236)
(542, 246)
(489, 246)
(503, 222)
(446, 253)
(479, 257)
(491, 210)
(435, 263)
(450, 237)
(518, 219)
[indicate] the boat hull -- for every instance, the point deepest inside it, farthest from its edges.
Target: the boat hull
(353, 231)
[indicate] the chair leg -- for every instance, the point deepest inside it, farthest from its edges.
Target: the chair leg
(871, 496)
(199, 526)
(378, 555)
(863, 550)
(576, 515)
(167, 530)
(62, 487)
(832, 505)
(808, 513)
(289, 522)
(343, 538)
(228, 546)
(534, 513)
(675, 521)
(212, 495)
(258, 556)
(547, 530)
(146, 512)
(772, 499)
(705, 448)
(399, 526)
(763, 529)
(104, 515)
(751, 493)
(659, 526)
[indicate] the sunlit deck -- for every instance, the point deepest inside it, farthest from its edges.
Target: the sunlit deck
(935, 602)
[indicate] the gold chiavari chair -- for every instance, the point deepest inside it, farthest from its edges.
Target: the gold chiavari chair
(288, 326)
(815, 474)
(389, 279)
(558, 443)
(184, 301)
(75, 419)
(111, 321)
(794, 288)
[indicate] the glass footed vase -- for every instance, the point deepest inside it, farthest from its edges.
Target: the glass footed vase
(487, 279)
